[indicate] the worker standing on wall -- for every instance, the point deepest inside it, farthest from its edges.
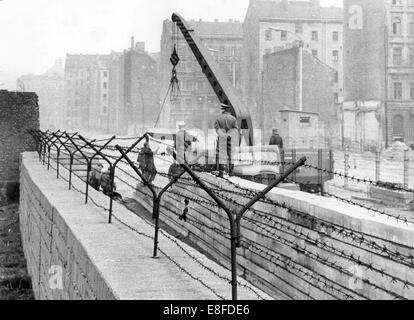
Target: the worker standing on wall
(183, 142)
(226, 127)
(276, 139)
(146, 163)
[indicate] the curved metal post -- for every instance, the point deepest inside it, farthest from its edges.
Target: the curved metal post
(88, 163)
(111, 169)
(235, 219)
(70, 155)
(52, 143)
(156, 198)
(56, 137)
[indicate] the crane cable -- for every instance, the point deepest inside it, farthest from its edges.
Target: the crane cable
(174, 87)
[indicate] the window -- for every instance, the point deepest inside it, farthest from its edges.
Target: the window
(411, 27)
(105, 96)
(315, 53)
(398, 126)
(411, 54)
(315, 35)
(105, 85)
(283, 35)
(396, 2)
(105, 74)
(335, 36)
(398, 91)
(299, 28)
(335, 55)
(336, 77)
(268, 35)
(396, 26)
(412, 91)
(233, 51)
(397, 56)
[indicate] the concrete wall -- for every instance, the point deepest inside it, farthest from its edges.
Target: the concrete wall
(19, 113)
(73, 253)
(312, 257)
(52, 248)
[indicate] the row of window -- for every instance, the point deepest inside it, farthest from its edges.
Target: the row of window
(401, 2)
(397, 56)
(299, 30)
(397, 29)
(398, 91)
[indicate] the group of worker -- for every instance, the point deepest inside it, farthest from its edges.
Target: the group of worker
(101, 181)
(225, 126)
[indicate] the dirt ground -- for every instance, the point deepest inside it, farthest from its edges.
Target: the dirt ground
(15, 283)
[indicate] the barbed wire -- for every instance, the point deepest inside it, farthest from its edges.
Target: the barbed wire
(200, 263)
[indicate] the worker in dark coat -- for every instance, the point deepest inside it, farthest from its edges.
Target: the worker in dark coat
(276, 139)
(226, 127)
(146, 163)
(95, 177)
(106, 184)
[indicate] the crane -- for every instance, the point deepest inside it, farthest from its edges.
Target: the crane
(221, 85)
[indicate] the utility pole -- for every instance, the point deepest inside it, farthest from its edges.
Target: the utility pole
(386, 86)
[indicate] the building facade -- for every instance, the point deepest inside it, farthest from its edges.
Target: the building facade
(276, 25)
(196, 103)
(286, 77)
(86, 91)
(379, 68)
(134, 90)
(49, 89)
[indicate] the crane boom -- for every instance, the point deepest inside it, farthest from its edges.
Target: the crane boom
(220, 84)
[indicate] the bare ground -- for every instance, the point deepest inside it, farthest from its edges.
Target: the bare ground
(15, 283)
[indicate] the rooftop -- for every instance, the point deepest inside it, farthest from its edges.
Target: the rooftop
(293, 10)
(79, 61)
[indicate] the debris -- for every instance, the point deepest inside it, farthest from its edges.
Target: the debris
(396, 152)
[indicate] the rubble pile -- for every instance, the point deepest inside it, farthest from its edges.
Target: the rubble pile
(396, 152)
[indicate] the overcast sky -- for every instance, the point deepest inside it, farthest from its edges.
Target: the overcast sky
(34, 33)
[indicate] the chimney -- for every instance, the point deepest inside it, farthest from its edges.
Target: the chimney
(132, 43)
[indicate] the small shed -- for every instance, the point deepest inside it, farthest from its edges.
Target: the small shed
(299, 129)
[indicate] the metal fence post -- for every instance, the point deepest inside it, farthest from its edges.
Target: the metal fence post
(377, 165)
(320, 171)
(294, 175)
(331, 165)
(347, 167)
(229, 154)
(282, 160)
(406, 168)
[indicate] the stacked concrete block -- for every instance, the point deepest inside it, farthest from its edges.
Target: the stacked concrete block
(52, 250)
(313, 249)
